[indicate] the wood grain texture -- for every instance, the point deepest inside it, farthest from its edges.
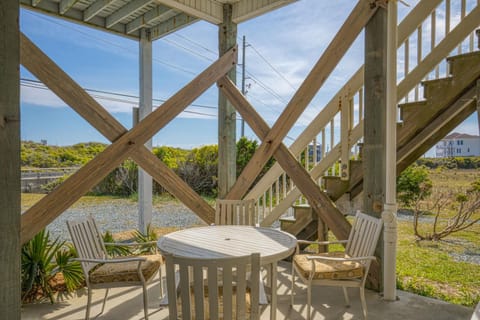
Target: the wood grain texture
(354, 24)
(9, 161)
(126, 143)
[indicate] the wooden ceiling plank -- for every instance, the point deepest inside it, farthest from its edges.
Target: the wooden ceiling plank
(125, 11)
(66, 5)
(247, 9)
(209, 10)
(171, 25)
(95, 8)
(347, 34)
(317, 199)
(128, 144)
(150, 16)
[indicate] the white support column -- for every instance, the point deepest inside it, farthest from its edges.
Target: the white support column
(389, 214)
(144, 179)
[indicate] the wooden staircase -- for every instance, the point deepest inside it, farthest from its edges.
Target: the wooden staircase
(447, 103)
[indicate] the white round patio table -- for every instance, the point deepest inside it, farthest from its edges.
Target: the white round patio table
(231, 241)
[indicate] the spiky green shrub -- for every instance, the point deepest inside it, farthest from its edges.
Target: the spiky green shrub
(42, 258)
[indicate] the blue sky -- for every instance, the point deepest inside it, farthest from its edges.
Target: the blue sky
(291, 39)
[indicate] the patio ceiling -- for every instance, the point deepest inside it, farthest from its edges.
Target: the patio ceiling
(161, 17)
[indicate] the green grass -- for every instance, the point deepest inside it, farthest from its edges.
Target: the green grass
(429, 268)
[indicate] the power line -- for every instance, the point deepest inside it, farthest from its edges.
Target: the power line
(273, 68)
(39, 85)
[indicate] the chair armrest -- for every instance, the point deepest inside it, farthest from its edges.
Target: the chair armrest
(321, 242)
(129, 244)
(116, 260)
(341, 259)
(300, 242)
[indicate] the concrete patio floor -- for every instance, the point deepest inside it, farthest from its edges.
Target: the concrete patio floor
(328, 303)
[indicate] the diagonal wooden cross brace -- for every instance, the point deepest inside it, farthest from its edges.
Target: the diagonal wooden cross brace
(347, 34)
(316, 198)
(125, 143)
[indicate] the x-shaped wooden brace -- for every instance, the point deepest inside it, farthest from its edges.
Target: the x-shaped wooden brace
(272, 138)
(124, 143)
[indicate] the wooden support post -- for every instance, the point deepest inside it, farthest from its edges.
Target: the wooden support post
(304, 95)
(10, 160)
(227, 146)
(478, 96)
(375, 125)
(144, 179)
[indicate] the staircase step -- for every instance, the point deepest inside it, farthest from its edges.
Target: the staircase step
(462, 62)
(437, 87)
(286, 222)
(409, 108)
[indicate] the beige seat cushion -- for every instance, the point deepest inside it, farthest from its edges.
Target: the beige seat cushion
(329, 269)
(125, 271)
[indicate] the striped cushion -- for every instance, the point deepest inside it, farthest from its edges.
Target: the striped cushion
(125, 271)
(332, 270)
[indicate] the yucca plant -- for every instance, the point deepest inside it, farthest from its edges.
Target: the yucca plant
(149, 236)
(116, 250)
(42, 259)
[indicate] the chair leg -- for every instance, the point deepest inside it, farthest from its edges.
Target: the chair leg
(89, 301)
(364, 303)
(104, 301)
(292, 289)
(160, 281)
(145, 301)
(309, 299)
(345, 294)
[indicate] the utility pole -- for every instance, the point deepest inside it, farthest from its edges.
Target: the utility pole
(243, 84)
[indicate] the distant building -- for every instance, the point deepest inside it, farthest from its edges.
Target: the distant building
(458, 145)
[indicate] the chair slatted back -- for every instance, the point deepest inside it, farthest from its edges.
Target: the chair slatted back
(364, 235)
(87, 241)
(212, 288)
(235, 212)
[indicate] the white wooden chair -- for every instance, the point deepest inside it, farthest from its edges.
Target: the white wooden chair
(236, 212)
(208, 288)
(344, 269)
(101, 271)
(239, 212)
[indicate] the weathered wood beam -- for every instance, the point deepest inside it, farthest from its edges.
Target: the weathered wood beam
(157, 13)
(227, 116)
(179, 21)
(10, 282)
(125, 11)
(95, 8)
(126, 143)
(317, 199)
(65, 5)
(354, 24)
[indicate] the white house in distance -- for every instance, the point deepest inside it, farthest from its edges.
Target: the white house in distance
(458, 145)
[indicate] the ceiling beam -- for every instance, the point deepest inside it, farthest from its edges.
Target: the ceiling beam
(248, 9)
(95, 8)
(65, 5)
(125, 11)
(75, 15)
(179, 21)
(209, 10)
(160, 12)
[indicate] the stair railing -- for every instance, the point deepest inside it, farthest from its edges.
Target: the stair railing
(332, 138)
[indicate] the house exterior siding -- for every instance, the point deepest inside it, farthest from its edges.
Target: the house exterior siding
(458, 145)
